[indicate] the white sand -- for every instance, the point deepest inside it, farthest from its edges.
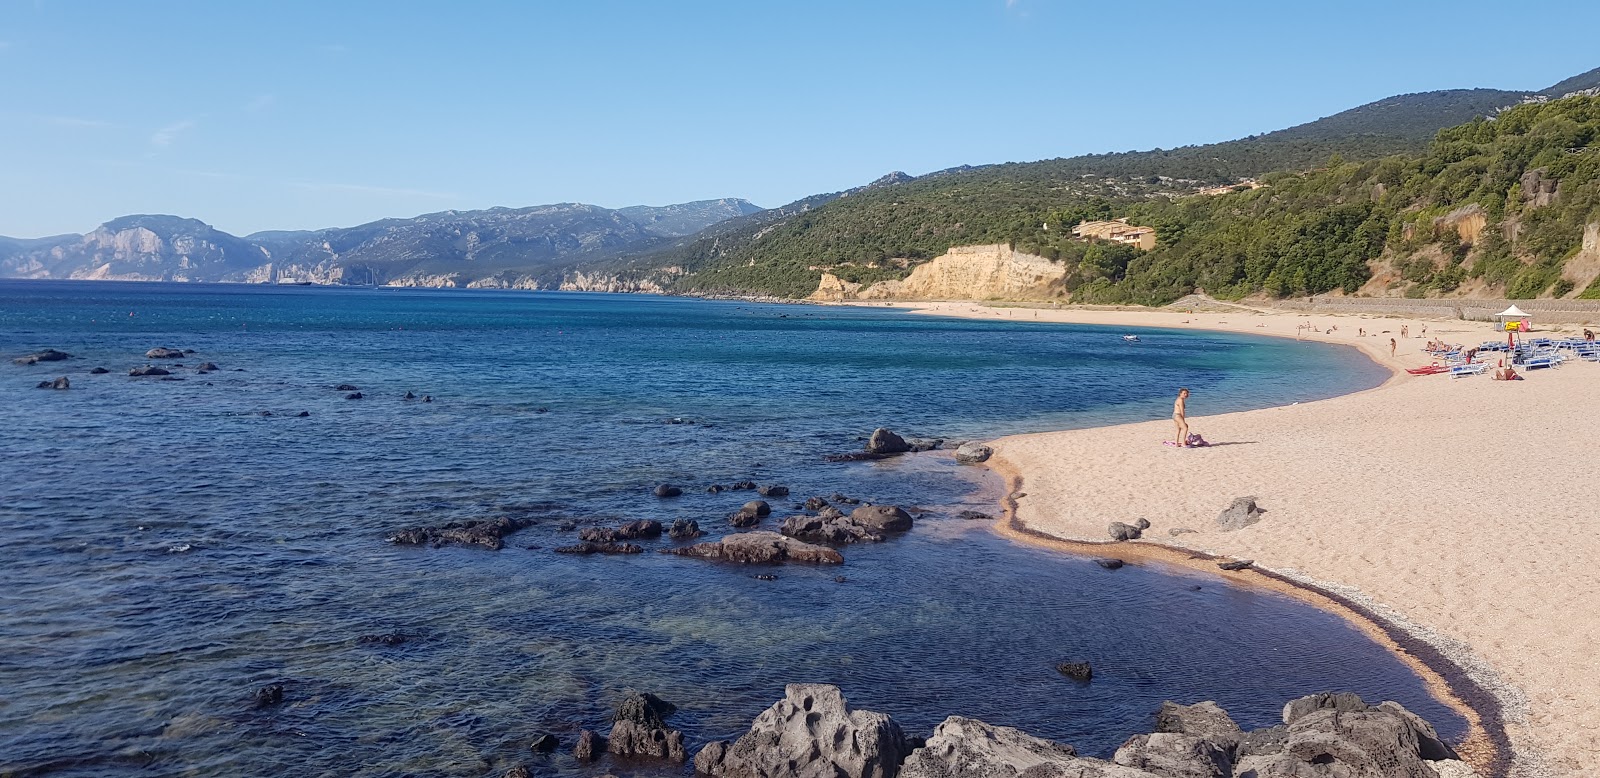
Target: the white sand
(1470, 507)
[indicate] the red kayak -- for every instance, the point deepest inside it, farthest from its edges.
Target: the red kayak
(1428, 370)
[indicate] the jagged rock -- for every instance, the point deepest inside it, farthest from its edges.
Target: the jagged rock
(639, 730)
(839, 499)
(518, 771)
(148, 370)
(59, 383)
(810, 733)
(387, 639)
(409, 396)
(773, 490)
(346, 388)
(269, 695)
(207, 367)
(855, 456)
(1202, 719)
(924, 444)
(48, 355)
(644, 528)
(1242, 513)
(590, 745)
(967, 748)
(885, 442)
(1173, 755)
(588, 547)
(1237, 564)
(488, 533)
(684, 529)
(974, 516)
(99, 371)
(544, 743)
(815, 503)
(1110, 564)
(882, 518)
(743, 486)
(817, 529)
(1077, 671)
(1120, 531)
(164, 353)
(1340, 736)
(829, 513)
(760, 548)
(973, 453)
(668, 490)
(1429, 745)
(716, 489)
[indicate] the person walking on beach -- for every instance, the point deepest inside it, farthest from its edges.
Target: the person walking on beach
(1180, 417)
(1391, 348)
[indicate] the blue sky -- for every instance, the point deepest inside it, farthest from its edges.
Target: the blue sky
(292, 115)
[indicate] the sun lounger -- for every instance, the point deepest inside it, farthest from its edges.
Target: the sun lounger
(1476, 368)
(1538, 362)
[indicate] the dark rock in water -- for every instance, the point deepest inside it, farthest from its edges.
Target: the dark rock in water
(48, 355)
(750, 513)
(716, 489)
(346, 388)
(390, 639)
(42, 385)
(99, 371)
(427, 398)
(742, 519)
(668, 490)
(1110, 564)
(353, 396)
(1242, 513)
(684, 529)
(173, 378)
(882, 518)
(590, 746)
(639, 729)
(973, 453)
(829, 513)
(811, 732)
(1142, 523)
(266, 413)
(760, 548)
(540, 409)
(840, 579)
(589, 547)
(303, 414)
(544, 743)
(855, 456)
(207, 367)
(773, 491)
(644, 528)
(974, 516)
(488, 533)
(837, 529)
(519, 771)
(967, 748)
(741, 486)
(839, 499)
(1237, 564)
(164, 353)
(884, 441)
(409, 396)
(924, 444)
(269, 695)
(1120, 531)
(1077, 671)
(815, 503)
(148, 370)
(59, 383)
(190, 351)
(765, 577)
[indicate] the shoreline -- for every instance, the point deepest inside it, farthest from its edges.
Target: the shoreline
(1500, 740)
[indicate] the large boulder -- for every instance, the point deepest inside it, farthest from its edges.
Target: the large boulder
(639, 730)
(1121, 531)
(760, 548)
(810, 733)
(835, 528)
(973, 453)
(164, 353)
(1174, 755)
(148, 370)
(967, 748)
(1202, 719)
(1339, 736)
(884, 441)
(48, 355)
(882, 518)
(1242, 513)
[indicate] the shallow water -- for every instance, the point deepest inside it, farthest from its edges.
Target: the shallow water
(169, 549)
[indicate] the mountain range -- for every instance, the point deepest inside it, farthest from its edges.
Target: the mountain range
(872, 232)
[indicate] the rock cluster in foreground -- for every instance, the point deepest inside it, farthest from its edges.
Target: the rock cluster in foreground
(812, 733)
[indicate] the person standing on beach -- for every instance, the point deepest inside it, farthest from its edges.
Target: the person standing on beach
(1180, 417)
(1391, 348)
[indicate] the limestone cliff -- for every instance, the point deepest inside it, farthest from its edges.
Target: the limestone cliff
(1584, 267)
(962, 273)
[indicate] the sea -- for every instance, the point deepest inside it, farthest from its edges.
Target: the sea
(172, 546)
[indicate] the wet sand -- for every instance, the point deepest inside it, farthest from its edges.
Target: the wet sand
(1456, 518)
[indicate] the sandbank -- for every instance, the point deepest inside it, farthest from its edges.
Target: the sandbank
(1455, 517)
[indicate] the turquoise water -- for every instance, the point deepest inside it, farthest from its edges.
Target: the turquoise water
(170, 549)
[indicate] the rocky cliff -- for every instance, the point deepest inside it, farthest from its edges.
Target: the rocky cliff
(963, 273)
(1584, 267)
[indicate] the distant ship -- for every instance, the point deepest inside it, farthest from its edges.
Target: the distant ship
(292, 282)
(1131, 338)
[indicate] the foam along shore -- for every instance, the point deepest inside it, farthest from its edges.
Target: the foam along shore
(1462, 510)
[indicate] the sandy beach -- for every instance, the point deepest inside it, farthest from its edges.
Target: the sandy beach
(1461, 512)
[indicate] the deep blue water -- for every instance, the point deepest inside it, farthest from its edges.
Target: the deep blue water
(168, 549)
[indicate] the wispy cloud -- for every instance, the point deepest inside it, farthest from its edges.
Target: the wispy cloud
(166, 135)
(260, 103)
(386, 191)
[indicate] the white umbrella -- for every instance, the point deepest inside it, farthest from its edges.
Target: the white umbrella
(1512, 313)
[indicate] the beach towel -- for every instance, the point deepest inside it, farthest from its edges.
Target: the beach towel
(1195, 441)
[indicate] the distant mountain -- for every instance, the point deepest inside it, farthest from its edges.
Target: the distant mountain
(1579, 83)
(451, 248)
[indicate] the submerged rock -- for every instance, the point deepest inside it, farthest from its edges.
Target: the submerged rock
(773, 491)
(684, 529)
(47, 355)
(99, 371)
(644, 528)
(668, 490)
(207, 367)
(353, 396)
(1110, 563)
(488, 533)
(148, 370)
(589, 547)
(1077, 671)
(760, 548)
(389, 639)
(164, 353)
(1242, 513)
(743, 486)
(836, 529)
(346, 388)
(974, 516)
(810, 732)
(269, 695)
(59, 383)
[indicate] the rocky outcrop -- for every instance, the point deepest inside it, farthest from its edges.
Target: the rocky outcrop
(644, 528)
(885, 441)
(832, 528)
(967, 748)
(48, 355)
(1242, 513)
(164, 353)
(760, 548)
(1467, 221)
(810, 733)
(639, 730)
(489, 533)
(1583, 268)
(962, 273)
(882, 518)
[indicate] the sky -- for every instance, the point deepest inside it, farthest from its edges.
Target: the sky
(299, 115)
